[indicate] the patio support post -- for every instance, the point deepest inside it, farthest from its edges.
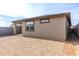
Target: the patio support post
(23, 27)
(14, 29)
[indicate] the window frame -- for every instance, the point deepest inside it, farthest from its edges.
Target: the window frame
(33, 25)
(45, 19)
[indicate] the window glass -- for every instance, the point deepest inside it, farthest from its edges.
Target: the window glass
(30, 26)
(44, 21)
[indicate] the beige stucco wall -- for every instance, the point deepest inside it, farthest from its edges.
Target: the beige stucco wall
(67, 29)
(55, 30)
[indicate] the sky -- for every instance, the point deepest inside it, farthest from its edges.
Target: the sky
(11, 10)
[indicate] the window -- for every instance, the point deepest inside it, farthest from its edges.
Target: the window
(30, 26)
(44, 21)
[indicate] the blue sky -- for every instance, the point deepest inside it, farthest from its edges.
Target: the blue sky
(52, 8)
(18, 9)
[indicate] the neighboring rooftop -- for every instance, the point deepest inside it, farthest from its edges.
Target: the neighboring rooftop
(44, 16)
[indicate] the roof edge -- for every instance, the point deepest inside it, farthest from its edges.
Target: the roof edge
(42, 16)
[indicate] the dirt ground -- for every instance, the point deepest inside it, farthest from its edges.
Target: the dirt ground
(23, 46)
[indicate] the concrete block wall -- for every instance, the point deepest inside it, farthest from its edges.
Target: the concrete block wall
(5, 31)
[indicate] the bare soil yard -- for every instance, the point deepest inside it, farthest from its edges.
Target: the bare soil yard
(23, 46)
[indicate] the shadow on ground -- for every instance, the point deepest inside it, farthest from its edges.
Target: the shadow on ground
(73, 39)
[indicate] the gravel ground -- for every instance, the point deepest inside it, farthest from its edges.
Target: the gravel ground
(23, 46)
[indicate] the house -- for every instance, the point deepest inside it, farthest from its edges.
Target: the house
(55, 27)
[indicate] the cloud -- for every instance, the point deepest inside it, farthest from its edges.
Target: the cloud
(13, 7)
